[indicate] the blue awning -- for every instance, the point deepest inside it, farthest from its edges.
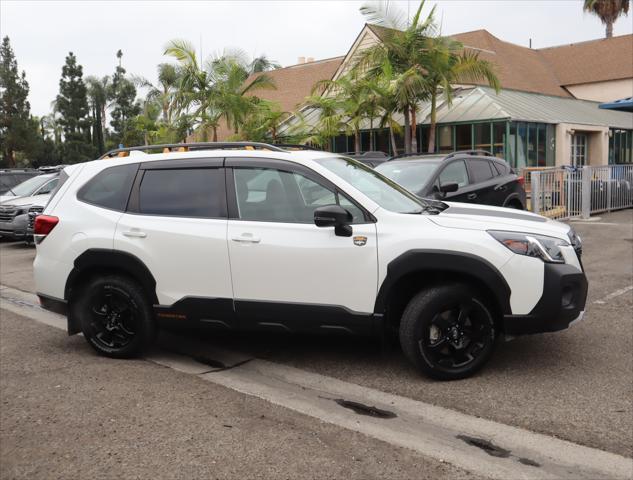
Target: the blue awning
(624, 105)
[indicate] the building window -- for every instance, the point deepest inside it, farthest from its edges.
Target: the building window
(498, 140)
(578, 149)
(620, 146)
(464, 137)
(445, 139)
(482, 136)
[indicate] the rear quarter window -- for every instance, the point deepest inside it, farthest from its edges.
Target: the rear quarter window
(110, 188)
(480, 170)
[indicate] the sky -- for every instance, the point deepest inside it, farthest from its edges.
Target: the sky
(43, 32)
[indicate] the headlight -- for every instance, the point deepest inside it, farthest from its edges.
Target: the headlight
(540, 246)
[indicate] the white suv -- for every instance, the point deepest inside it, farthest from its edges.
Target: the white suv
(254, 237)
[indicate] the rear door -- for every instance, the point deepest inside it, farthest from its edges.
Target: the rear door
(176, 224)
(482, 177)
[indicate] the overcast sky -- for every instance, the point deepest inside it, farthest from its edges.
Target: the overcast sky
(42, 33)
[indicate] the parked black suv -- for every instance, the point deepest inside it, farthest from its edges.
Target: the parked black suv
(468, 176)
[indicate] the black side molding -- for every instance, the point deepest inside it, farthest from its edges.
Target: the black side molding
(53, 304)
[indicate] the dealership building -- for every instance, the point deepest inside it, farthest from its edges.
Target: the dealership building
(548, 111)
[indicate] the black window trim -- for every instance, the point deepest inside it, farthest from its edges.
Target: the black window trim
(284, 166)
(133, 205)
(81, 189)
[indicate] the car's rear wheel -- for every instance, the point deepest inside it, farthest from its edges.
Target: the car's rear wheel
(447, 332)
(115, 316)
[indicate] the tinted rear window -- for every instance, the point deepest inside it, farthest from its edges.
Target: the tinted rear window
(110, 188)
(480, 170)
(194, 192)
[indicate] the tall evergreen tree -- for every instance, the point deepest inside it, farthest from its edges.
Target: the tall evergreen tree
(72, 105)
(124, 108)
(16, 128)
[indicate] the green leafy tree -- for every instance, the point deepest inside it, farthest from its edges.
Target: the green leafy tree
(164, 91)
(122, 95)
(608, 11)
(16, 128)
(72, 106)
(262, 123)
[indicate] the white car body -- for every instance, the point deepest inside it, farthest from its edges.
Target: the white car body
(277, 269)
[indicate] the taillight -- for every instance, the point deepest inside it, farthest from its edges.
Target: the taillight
(43, 225)
(521, 181)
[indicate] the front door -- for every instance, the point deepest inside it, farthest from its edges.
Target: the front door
(288, 274)
(456, 172)
(578, 149)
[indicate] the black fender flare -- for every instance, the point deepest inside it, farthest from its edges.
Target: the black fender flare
(444, 261)
(513, 196)
(106, 259)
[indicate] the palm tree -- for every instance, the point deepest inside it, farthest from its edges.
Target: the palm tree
(351, 100)
(330, 123)
(97, 89)
(608, 11)
(215, 90)
(402, 49)
(164, 92)
(447, 63)
(263, 64)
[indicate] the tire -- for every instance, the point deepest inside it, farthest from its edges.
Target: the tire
(447, 332)
(116, 317)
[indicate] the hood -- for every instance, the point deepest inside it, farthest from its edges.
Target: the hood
(482, 217)
(6, 198)
(22, 201)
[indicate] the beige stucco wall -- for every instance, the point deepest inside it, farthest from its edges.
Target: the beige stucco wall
(603, 91)
(597, 140)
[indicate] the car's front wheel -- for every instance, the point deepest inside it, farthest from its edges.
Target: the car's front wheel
(115, 316)
(447, 332)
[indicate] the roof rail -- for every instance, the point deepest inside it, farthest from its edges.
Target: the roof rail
(187, 147)
(419, 154)
(296, 146)
(469, 152)
(367, 154)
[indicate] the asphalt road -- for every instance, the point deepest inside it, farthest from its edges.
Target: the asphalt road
(576, 385)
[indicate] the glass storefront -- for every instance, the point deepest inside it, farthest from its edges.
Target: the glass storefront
(522, 144)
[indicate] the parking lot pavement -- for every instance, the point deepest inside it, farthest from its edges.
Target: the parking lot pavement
(67, 413)
(576, 385)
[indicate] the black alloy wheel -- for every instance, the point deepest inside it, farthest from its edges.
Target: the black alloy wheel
(448, 331)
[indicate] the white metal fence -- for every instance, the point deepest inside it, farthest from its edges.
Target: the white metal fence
(569, 192)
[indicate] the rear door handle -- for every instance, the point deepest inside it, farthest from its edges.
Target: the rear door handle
(134, 234)
(471, 196)
(246, 238)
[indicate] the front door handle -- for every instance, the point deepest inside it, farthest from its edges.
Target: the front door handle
(246, 238)
(134, 234)
(471, 196)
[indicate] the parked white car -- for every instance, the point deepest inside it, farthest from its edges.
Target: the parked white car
(267, 239)
(38, 185)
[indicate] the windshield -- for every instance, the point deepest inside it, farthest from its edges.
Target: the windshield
(26, 189)
(411, 175)
(381, 190)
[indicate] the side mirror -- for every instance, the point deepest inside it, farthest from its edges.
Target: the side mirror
(334, 216)
(449, 187)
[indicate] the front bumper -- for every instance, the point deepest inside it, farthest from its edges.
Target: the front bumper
(562, 303)
(15, 229)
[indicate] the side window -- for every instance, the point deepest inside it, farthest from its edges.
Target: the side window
(269, 195)
(110, 188)
(480, 170)
(191, 192)
(48, 187)
(455, 172)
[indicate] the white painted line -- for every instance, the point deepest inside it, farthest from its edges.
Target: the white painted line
(613, 295)
(433, 431)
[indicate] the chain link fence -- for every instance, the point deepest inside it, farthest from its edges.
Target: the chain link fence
(569, 192)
